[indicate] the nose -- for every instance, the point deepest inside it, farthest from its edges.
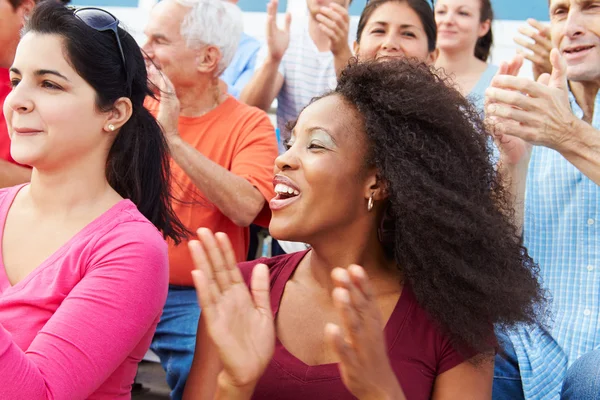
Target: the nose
(19, 101)
(148, 50)
(391, 43)
(287, 161)
(574, 27)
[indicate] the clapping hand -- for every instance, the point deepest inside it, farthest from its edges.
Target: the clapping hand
(538, 113)
(239, 323)
(360, 342)
(278, 39)
(540, 46)
(334, 21)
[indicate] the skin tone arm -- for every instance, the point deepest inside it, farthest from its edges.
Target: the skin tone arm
(12, 174)
(267, 81)
(233, 195)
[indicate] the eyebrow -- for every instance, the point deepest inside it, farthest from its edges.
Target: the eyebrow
(319, 128)
(42, 72)
(403, 26)
(156, 36)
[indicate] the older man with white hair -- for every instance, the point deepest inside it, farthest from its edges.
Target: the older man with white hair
(549, 136)
(223, 153)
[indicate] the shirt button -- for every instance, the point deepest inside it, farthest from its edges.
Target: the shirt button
(590, 221)
(590, 268)
(587, 312)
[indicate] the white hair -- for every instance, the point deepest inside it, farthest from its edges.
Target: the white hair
(213, 22)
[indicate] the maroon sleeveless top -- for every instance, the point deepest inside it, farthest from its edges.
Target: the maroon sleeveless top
(418, 351)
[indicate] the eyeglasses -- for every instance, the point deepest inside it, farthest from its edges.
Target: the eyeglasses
(101, 21)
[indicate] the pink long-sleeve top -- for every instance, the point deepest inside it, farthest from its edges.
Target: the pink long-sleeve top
(77, 326)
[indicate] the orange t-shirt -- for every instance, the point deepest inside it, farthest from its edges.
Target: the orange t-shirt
(239, 138)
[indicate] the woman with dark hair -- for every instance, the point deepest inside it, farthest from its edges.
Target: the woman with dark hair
(464, 39)
(84, 272)
(391, 172)
(396, 29)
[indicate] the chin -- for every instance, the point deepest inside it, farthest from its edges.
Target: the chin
(280, 230)
(584, 72)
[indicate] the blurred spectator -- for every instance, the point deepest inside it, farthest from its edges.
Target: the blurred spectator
(549, 133)
(465, 39)
(222, 150)
(295, 67)
(241, 67)
(12, 19)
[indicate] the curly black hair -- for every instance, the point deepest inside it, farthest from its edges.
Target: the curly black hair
(448, 219)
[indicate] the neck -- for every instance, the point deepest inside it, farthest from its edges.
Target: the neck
(201, 98)
(72, 188)
(585, 94)
(349, 248)
(316, 34)
(459, 62)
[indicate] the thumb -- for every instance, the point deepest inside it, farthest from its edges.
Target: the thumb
(288, 21)
(558, 79)
(259, 284)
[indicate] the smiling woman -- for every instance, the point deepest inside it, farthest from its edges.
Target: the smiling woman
(83, 270)
(391, 172)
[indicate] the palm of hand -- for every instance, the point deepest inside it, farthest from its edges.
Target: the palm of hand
(245, 333)
(278, 41)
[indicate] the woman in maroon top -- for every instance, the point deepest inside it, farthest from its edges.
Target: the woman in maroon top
(390, 171)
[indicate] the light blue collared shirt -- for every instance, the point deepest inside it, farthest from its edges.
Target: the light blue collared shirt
(562, 234)
(241, 68)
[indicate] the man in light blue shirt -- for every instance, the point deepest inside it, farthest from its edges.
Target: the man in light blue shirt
(241, 68)
(549, 137)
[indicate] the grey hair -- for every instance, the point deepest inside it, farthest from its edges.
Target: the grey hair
(213, 22)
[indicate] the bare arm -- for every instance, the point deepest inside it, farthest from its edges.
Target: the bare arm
(267, 80)
(465, 381)
(233, 195)
(203, 379)
(264, 86)
(12, 174)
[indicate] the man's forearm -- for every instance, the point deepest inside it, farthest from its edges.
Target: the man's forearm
(233, 195)
(13, 174)
(583, 151)
(264, 86)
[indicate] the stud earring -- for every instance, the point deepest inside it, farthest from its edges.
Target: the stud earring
(111, 127)
(370, 203)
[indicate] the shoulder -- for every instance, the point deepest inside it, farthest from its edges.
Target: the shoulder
(433, 345)
(250, 117)
(128, 239)
(248, 43)
(275, 264)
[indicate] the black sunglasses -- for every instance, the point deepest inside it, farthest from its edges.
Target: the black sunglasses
(101, 21)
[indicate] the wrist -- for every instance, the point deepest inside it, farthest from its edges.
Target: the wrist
(342, 53)
(274, 60)
(575, 129)
(226, 389)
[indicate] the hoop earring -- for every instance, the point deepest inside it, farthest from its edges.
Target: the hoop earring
(371, 202)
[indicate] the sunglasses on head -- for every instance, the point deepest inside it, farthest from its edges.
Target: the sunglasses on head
(101, 21)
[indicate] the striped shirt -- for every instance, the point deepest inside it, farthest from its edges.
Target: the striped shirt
(307, 73)
(562, 234)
